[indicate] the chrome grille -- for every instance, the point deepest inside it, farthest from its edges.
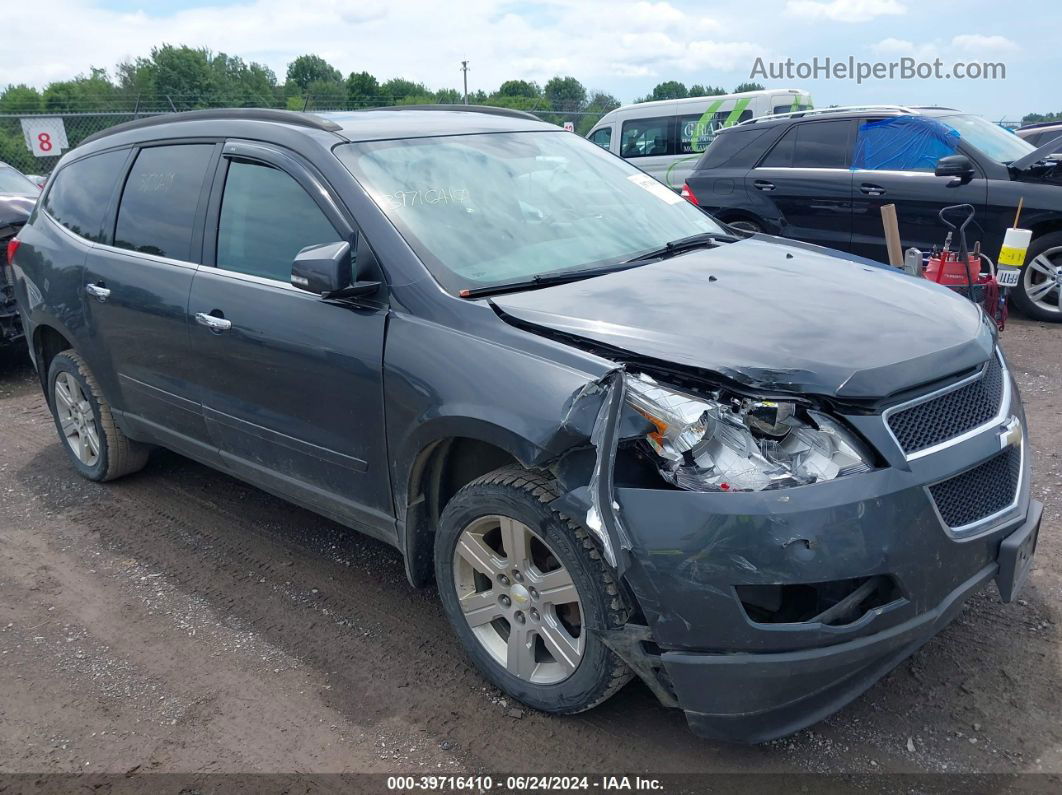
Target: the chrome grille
(980, 492)
(950, 414)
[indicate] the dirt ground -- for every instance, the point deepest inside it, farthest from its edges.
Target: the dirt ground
(179, 620)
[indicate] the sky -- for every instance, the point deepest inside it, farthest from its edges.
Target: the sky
(624, 47)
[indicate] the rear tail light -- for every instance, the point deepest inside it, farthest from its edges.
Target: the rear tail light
(688, 194)
(12, 247)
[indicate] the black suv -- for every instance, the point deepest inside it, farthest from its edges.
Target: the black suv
(793, 175)
(620, 440)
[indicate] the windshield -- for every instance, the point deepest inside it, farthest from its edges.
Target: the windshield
(497, 208)
(13, 181)
(990, 139)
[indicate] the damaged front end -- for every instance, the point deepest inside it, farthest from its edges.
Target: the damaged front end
(774, 547)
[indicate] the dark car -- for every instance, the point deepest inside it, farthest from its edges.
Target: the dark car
(804, 176)
(1047, 132)
(17, 197)
(621, 441)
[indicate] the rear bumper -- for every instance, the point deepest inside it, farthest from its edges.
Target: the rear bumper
(756, 697)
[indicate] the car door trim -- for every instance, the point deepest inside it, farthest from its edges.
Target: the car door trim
(325, 454)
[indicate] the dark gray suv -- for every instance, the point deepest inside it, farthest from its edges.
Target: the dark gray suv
(620, 439)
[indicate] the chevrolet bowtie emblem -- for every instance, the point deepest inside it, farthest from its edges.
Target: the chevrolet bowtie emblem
(1010, 434)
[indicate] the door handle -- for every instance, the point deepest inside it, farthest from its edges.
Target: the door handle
(213, 322)
(762, 184)
(98, 291)
(872, 190)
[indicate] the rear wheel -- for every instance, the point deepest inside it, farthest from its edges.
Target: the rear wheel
(1039, 293)
(526, 590)
(95, 444)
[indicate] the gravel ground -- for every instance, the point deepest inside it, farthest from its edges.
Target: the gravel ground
(181, 621)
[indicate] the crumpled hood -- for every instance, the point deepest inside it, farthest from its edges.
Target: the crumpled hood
(772, 315)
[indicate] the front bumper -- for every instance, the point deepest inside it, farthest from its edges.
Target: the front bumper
(744, 680)
(755, 697)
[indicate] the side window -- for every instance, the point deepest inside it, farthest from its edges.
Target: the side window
(735, 149)
(695, 136)
(781, 156)
(266, 219)
(159, 202)
(602, 137)
(80, 193)
(822, 144)
(646, 137)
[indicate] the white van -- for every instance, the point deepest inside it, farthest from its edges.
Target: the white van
(666, 138)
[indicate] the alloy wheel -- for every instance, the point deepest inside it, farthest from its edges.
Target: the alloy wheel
(1043, 280)
(519, 600)
(76, 419)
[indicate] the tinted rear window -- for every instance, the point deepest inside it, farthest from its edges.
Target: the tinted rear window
(80, 194)
(822, 144)
(160, 200)
(736, 149)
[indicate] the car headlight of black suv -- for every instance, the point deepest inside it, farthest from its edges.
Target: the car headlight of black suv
(732, 443)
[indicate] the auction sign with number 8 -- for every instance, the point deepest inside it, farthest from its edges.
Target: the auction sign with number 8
(45, 135)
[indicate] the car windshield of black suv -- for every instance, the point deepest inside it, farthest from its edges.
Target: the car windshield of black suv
(990, 139)
(500, 208)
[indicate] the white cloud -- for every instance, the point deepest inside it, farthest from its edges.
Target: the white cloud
(965, 44)
(893, 48)
(977, 43)
(419, 39)
(844, 10)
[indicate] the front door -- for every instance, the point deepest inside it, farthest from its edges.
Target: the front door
(291, 383)
(136, 294)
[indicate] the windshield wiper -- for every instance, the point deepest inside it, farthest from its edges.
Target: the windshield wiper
(674, 247)
(546, 280)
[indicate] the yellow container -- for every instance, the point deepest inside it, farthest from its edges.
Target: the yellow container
(1015, 246)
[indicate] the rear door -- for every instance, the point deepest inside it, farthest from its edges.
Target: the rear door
(803, 184)
(649, 143)
(291, 383)
(919, 196)
(136, 293)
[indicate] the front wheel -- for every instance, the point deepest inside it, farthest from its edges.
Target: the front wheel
(1039, 292)
(526, 591)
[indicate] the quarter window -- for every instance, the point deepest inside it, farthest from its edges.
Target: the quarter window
(647, 137)
(266, 219)
(602, 137)
(160, 199)
(81, 192)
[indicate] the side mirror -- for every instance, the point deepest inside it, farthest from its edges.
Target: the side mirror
(958, 167)
(327, 271)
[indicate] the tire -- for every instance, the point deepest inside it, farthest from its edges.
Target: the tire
(83, 410)
(551, 685)
(1043, 263)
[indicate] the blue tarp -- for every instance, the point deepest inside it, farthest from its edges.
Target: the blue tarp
(903, 143)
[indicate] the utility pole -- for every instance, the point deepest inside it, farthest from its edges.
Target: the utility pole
(464, 68)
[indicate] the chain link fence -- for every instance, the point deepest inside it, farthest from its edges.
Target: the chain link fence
(34, 142)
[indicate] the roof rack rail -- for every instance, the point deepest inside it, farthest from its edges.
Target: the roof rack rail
(252, 114)
(1034, 125)
(820, 111)
(488, 109)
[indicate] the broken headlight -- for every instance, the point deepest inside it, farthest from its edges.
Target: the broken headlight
(741, 444)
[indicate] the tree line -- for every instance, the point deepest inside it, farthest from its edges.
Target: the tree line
(176, 78)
